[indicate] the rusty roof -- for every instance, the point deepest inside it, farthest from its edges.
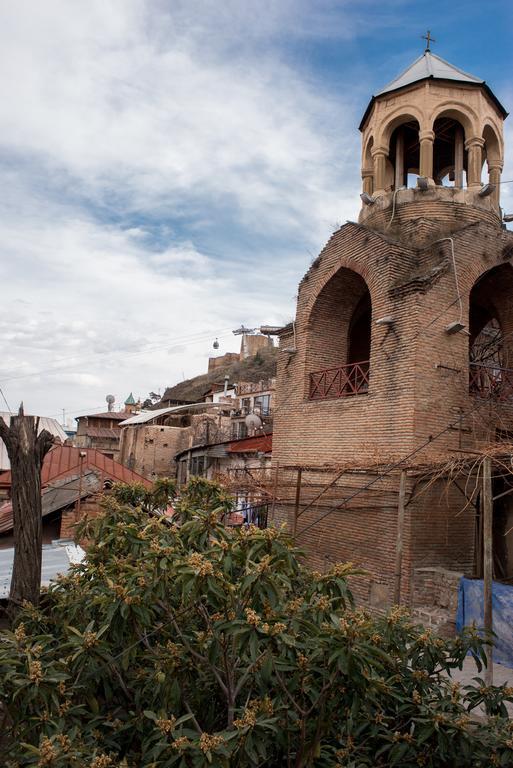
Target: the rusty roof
(111, 434)
(115, 415)
(54, 497)
(259, 444)
(63, 460)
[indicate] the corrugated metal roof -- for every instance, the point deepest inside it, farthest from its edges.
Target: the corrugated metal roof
(63, 460)
(146, 416)
(58, 496)
(56, 560)
(110, 434)
(45, 422)
(429, 65)
(66, 492)
(115, 415)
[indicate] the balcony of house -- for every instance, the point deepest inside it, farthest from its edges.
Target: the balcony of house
(342, 381)
(491, 382)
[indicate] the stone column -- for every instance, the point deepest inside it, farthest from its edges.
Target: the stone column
(426, 139)
(399, 159)
(474, 147)
(368, 181)
(494, 177)
(458, 158)
(379, 155)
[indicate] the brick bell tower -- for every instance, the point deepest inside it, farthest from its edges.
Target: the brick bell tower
(400, 352)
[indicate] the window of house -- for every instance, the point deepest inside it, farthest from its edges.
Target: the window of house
(198, 465)
(263, 404)
(246, 404)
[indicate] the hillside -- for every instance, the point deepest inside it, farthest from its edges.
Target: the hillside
(260, 366)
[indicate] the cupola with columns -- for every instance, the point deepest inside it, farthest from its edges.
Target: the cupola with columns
(436, 122)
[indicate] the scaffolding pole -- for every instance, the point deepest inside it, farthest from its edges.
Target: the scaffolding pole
(399, 540)
(488, 562)
(297, 502)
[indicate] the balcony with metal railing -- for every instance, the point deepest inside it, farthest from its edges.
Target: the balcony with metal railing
(491, 382)
(343, 381)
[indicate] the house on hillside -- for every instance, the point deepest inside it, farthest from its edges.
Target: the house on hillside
(227, 460)
(101, 431)
(72, 481)
(150, 440)
(253, 398)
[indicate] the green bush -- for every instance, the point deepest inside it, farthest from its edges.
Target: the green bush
(189, 644)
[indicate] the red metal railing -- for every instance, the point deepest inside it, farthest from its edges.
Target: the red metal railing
(490, 381)
(352, 379)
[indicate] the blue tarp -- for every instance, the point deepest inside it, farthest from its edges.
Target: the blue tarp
(471, 609)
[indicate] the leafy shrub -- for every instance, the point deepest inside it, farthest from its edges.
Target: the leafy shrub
(188, 644)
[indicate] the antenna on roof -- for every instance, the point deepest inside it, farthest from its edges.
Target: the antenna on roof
(110, 402)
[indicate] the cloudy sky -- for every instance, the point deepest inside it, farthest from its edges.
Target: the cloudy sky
(170, 168)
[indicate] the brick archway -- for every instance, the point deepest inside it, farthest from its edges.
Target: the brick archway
(339, 338)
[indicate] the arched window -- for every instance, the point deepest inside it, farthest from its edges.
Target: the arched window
(449, 153)
(359, 334)
(404, 154)
(491, 335)
(339, 338)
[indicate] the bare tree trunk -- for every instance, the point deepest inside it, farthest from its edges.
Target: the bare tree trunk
(26, 450)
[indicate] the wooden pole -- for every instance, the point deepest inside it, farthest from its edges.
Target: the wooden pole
(399, 541)
(296, 504)
(275, 489)
(488, 561)
(80, 473)
(26, 448)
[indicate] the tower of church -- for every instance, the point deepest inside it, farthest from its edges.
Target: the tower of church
(403, 336)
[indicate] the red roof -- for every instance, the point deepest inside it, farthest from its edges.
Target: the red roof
(260, 444)
(63, 460)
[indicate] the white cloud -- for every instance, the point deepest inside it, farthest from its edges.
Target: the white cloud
(168, 171)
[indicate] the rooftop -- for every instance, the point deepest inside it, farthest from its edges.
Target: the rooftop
(431, 67)
(115, 415)
(64, 460)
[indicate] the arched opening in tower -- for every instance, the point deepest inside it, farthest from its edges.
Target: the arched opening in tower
(359, 338)
(404, 155)
(339, 338)
(449, 153)
(491, 335)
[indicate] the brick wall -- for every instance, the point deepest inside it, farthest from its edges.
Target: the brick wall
(418, 383)
(150, 449)
(90, 508)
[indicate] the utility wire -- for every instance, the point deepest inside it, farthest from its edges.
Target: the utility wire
(5, 400)
(431, 439)
(193, 339)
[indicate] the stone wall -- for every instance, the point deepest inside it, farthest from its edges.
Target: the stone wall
(435, 598)
(150, 449)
